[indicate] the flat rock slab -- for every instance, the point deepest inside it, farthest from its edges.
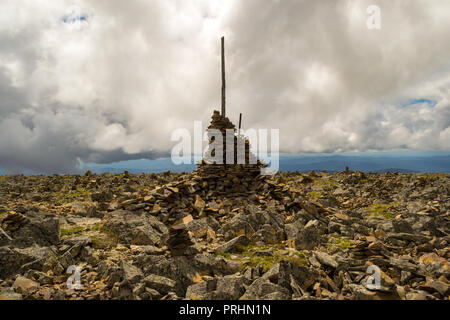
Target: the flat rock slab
(137, 228)
(234, 245)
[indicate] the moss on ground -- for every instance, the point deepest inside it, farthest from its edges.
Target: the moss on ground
(431, 176)
(67, 196)
(381, 210)
(327, 182)
(72, 231)
(291, 178)
(339, 242)
(315, 194)
(101, 237)
(104, 239)
(250, 257)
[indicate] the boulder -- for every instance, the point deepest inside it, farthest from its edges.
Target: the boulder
(325, 259)
(137, 228)
(131, 274)
(32, 228)
(25, 286)
(310, 236)
(263, 289)
(15, 260)
(230, 287)
(161, 284)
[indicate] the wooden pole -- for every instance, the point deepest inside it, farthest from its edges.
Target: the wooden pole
(240, 122)
(223, 77)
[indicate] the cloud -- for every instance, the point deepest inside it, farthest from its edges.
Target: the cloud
(112, 81)
(330, 84)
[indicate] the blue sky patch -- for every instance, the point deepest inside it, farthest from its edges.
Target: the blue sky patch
(431, 103)
(74, 19)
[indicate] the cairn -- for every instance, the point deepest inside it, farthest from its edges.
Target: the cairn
(242, 173)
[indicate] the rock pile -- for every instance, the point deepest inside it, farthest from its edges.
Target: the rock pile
(238, 175)
(174, 236)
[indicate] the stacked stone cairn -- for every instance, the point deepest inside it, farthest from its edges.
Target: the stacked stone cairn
(232, 177)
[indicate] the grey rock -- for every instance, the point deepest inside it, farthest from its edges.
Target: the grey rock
(234, 245)
(230, 287)
(293, 229)
(137, 228)
(280, 273)
(262, 288)
(201, 290)
(162, 284)
(252, 273)
(102, 196)
(325, 259)
(131, 273)
(310, 237)
(36, 228)
(209, 264)
(84, 209)
(15, 260)
(208, 221)
(402, 226)
(268, 234)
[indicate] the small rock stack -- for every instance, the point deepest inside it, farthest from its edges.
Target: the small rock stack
(179, 240)
(365, 249)
(232, 177)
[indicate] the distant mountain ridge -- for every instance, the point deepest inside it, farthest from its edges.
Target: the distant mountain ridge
(367, 163)
(305, 163)
(302, 163)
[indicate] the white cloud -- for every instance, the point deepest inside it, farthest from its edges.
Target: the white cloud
(118, 86)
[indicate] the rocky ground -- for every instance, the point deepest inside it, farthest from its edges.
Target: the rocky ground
(176, 236)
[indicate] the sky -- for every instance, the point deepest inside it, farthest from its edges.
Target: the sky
(103, 81)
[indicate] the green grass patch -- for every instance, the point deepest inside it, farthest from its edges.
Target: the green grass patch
(80, 229)
(325, 182)
(431, 176)
(315, 194)
(381, 210)
(67, 196)
(105, 239)
(72, 231)
(291, 178)
(339, 242)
